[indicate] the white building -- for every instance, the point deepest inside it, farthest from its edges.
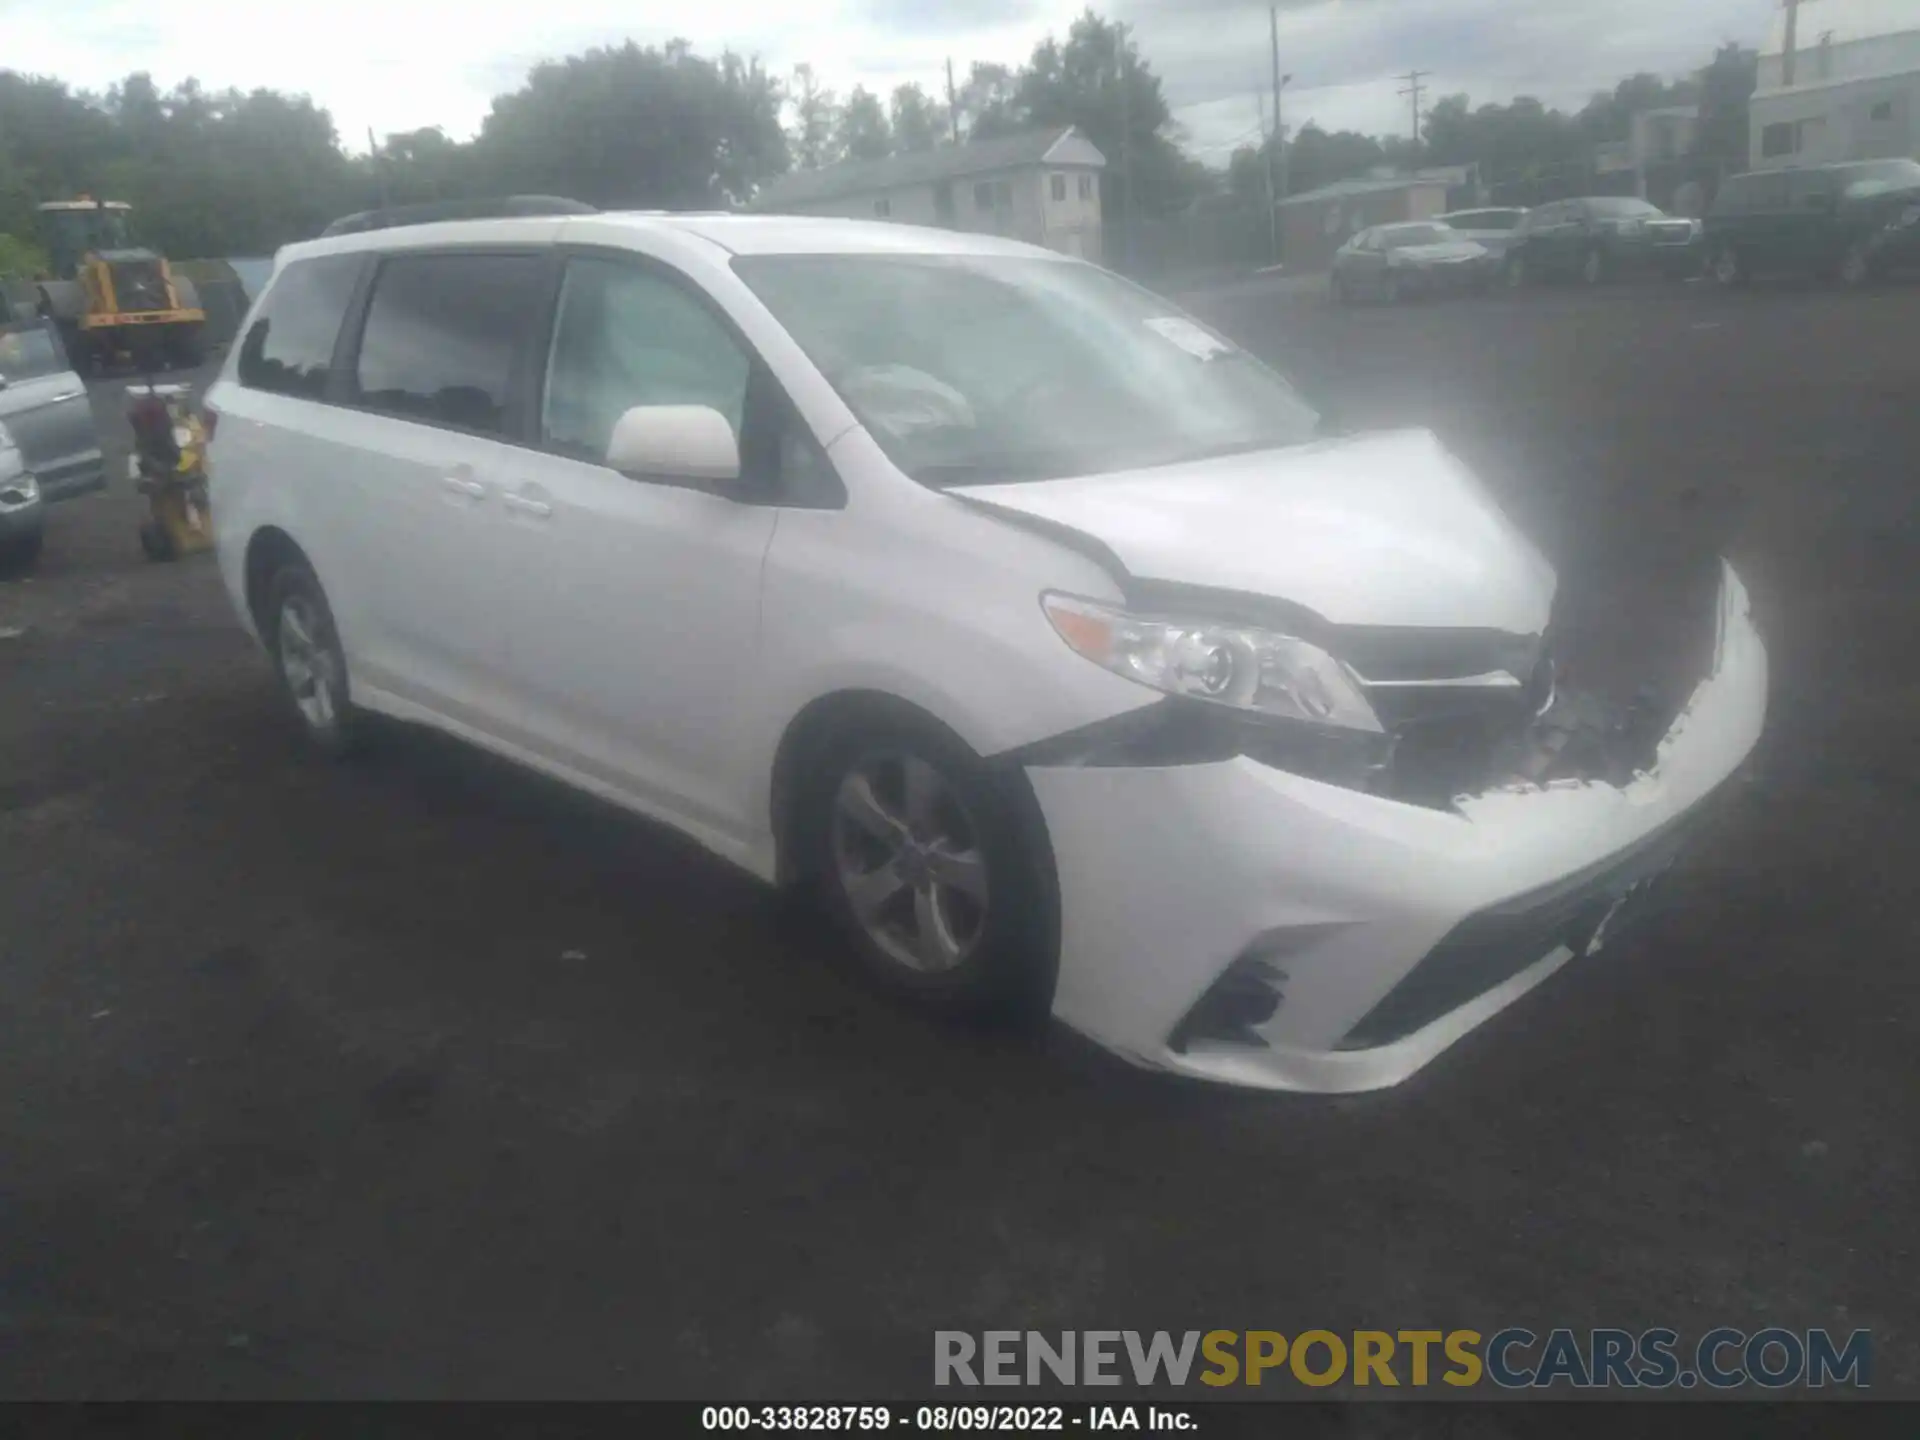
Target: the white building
(1042, 187)
(1846, 88)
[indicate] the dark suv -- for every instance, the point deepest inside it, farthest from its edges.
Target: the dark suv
(1853, 221)
(1597, 238)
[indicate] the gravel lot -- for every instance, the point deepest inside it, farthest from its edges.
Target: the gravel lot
(421, 1078)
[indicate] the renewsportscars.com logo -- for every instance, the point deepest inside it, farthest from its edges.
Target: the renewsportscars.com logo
(1512, 1359)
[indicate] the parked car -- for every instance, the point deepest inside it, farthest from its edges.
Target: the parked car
(23, 513)
(1600, 238)
(44, 403)
(1492, 228)
(1854, 222)
(1038, 629)
(1414, 258)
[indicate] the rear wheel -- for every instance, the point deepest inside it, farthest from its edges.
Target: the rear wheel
(1593, 267)
(186, 347)
(300, 634)
(1729, 268)
(1514, 272)
(920, 854)
(1856, 266)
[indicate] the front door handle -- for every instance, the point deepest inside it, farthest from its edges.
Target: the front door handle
(473, 489)
(538, 508)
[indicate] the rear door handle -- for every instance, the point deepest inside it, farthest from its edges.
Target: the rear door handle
(473, 489)
(538, 508)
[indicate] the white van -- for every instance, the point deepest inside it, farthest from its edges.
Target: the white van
(1039, 627)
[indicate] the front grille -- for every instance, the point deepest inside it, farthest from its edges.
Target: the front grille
(138, 285)
(1491, 947)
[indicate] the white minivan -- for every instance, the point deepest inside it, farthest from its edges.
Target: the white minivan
(1043, 631)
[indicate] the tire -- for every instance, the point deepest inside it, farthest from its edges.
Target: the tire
(1338, 288)
(154, 543)
(1729, 268)
(1855, 270)
(1394, 291)
(186, 347)
(957, 913)
(1593, 266)
(1514, 274)
(308, 662)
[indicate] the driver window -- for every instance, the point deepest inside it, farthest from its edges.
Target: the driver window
(626, 336)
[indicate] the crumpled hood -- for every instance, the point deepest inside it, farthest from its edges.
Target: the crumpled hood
(1381, 530)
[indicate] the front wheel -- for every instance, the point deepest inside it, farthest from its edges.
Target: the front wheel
(1514, 273)
(305, 646)
(922, 857)
(1729, 268)
(1856, 266)
(1593, 269)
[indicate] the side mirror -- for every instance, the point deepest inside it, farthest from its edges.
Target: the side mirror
(675, 442)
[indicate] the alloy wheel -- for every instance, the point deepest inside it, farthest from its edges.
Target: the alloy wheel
(1726, 266)
(907, 857)
(308, 663)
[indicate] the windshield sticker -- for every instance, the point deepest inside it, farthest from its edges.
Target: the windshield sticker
(1188, 336)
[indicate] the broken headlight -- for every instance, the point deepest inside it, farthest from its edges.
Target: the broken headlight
(1239, 666)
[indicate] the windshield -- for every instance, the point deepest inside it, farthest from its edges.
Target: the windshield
(1623, 207)
(1880, 176)
(1403, 236)
(974, 369)
(29, 351)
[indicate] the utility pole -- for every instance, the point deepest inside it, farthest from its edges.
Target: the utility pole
(953, 104)
(1126, 143)
(1414, 88)
(1275, 192)
(379, 165)
(1793, 34)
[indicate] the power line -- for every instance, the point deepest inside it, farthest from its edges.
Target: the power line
(1415, 89)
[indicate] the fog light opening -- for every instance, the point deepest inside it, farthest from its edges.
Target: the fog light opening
(1248, 994)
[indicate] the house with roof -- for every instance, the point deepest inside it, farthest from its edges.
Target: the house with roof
(1838, 80)
(1041, 186)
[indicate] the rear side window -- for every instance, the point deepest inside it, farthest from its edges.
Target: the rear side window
(288, 349)
(445, 337)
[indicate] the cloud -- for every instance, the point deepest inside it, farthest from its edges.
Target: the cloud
(399, 66)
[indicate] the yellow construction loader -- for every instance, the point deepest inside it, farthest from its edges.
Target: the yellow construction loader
(112, 300)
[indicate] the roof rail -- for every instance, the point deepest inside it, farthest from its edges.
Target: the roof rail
(428, 212)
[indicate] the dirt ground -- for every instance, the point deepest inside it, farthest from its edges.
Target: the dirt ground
(420, 1078)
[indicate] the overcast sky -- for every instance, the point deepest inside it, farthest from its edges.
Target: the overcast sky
(398, 64)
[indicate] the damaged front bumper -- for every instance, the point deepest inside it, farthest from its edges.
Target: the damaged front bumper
(1239, 923)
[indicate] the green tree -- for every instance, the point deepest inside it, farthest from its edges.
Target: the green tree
(986, 104)
(654, 126)
(863, 131)
(918, 123)
(1096, 79)
(1726, 87)
(814, 134)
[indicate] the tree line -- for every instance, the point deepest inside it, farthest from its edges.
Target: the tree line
(1525, 147)
(234, 172)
